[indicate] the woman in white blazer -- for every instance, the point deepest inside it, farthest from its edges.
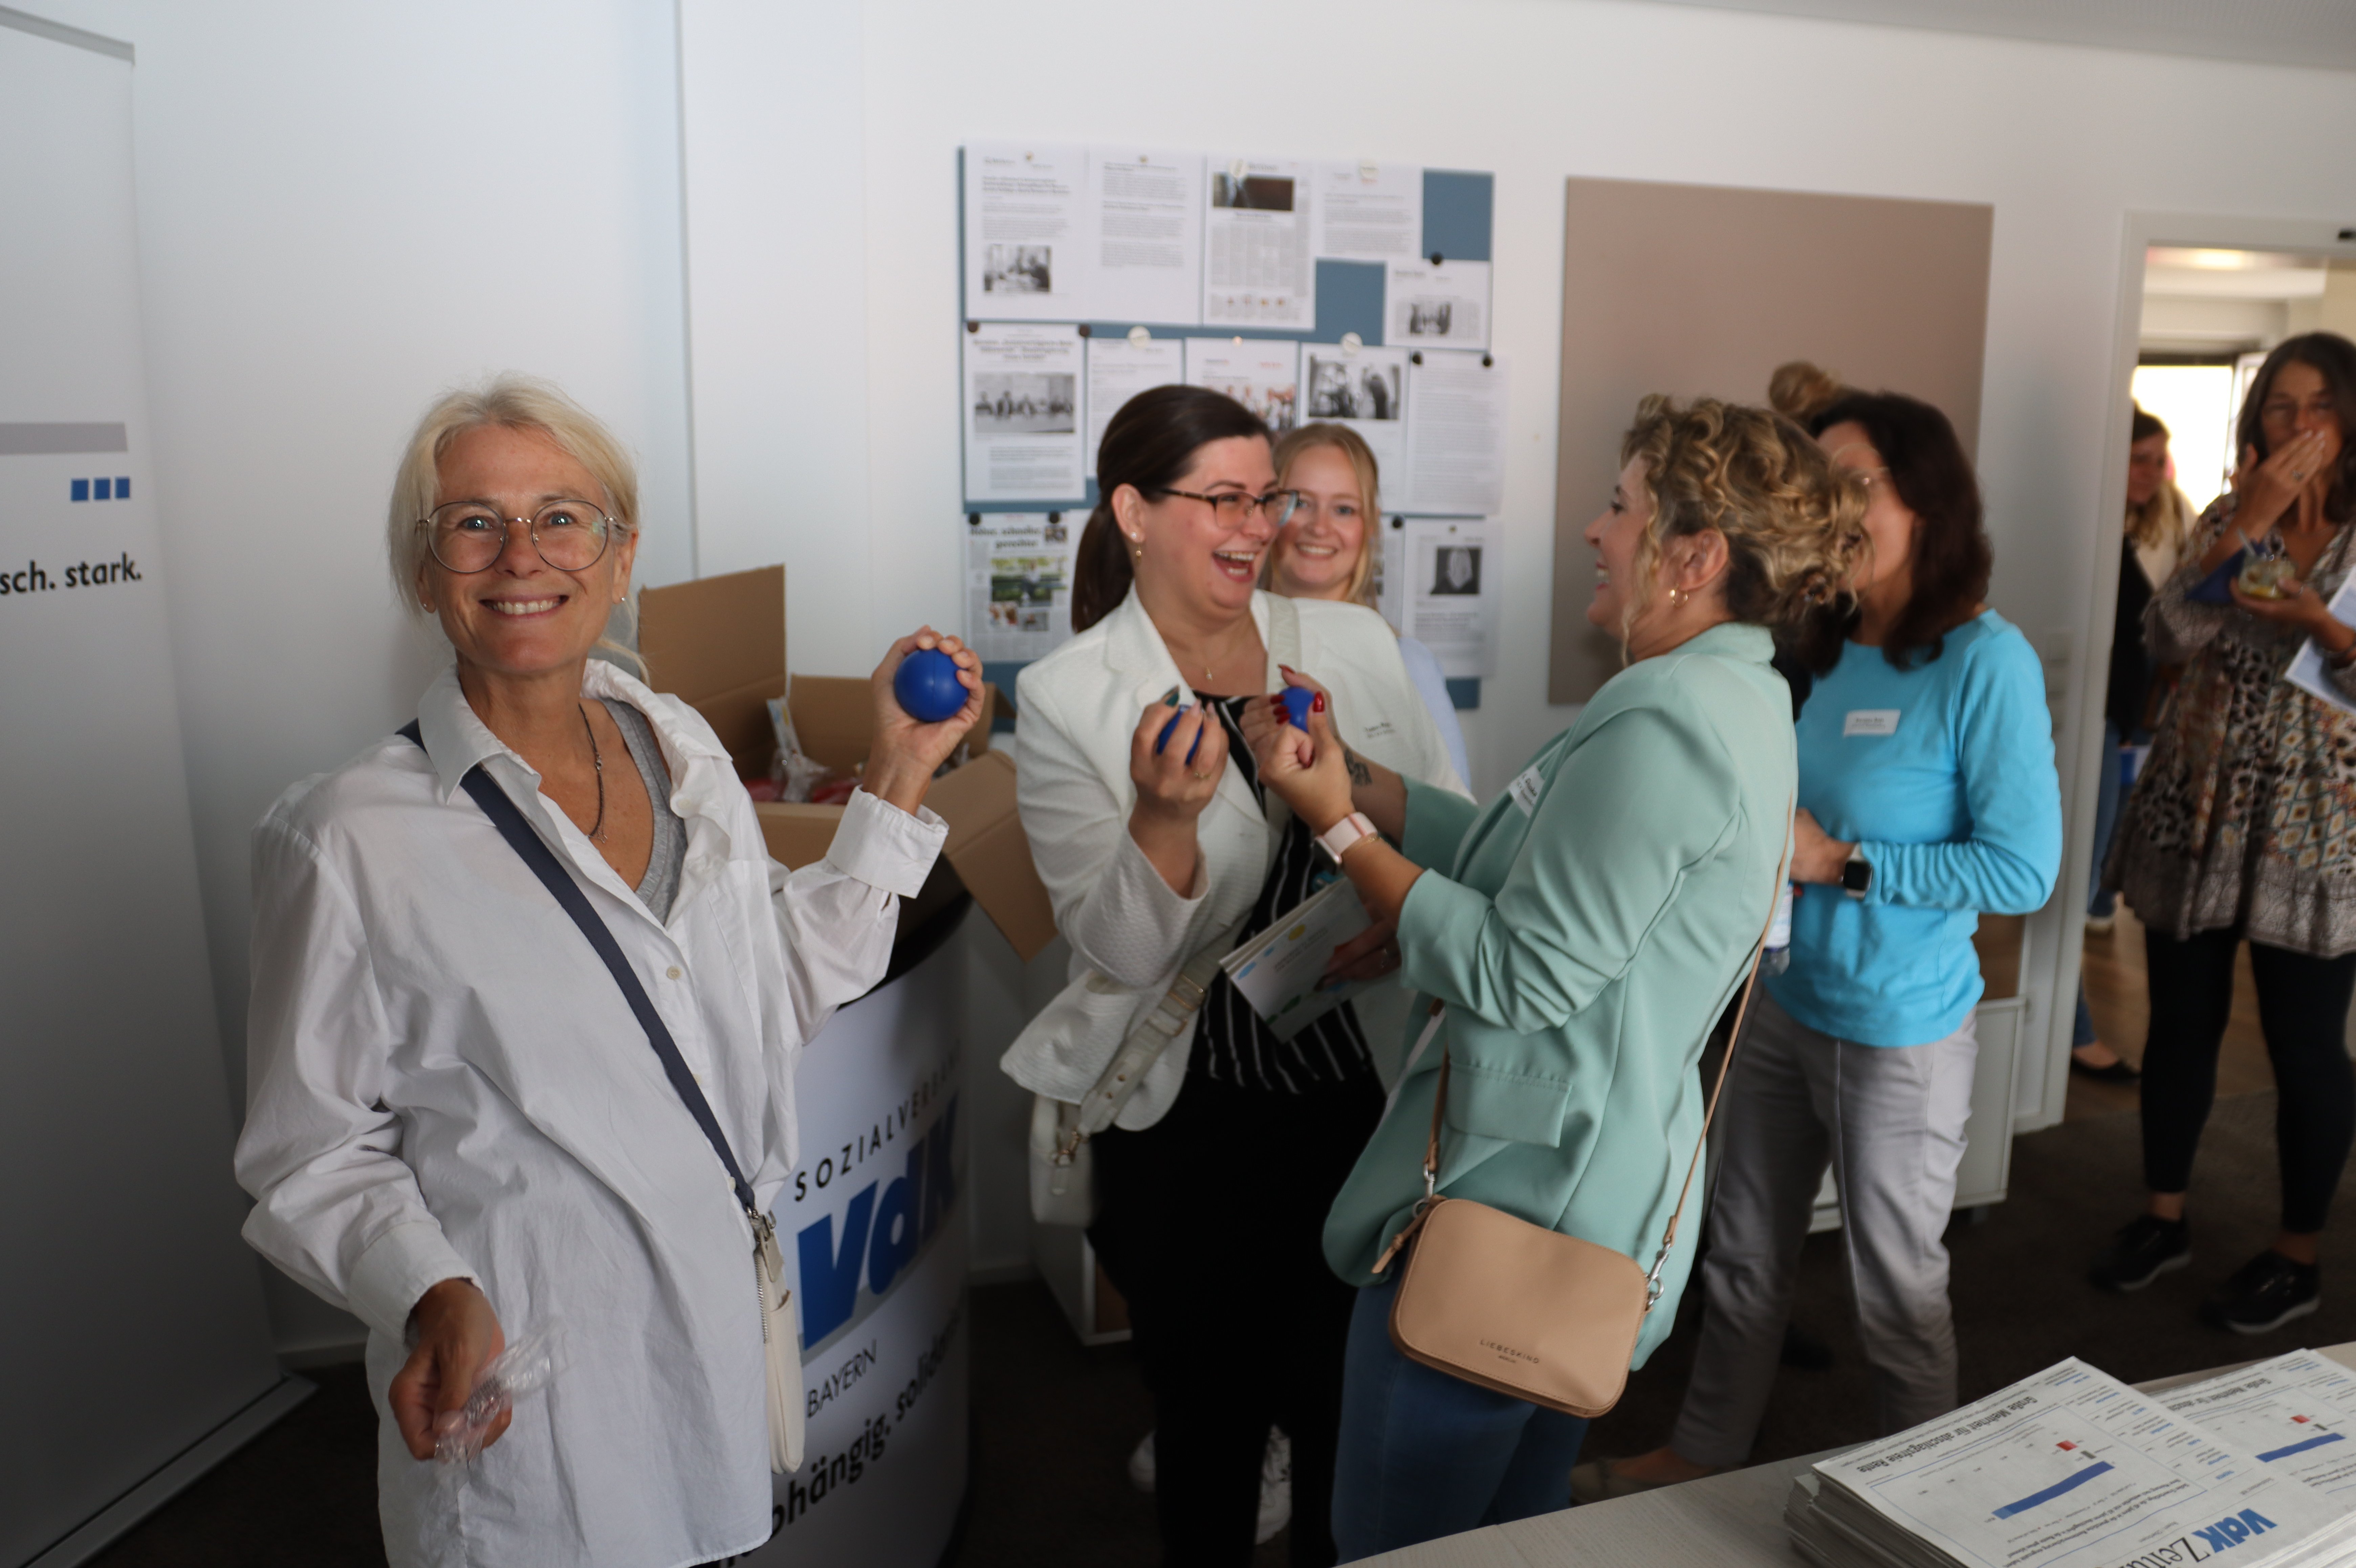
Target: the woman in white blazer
(1153, 852)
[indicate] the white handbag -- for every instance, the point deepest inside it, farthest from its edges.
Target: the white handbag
(1063, 1168)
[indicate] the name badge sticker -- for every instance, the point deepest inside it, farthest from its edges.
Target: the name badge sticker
(1527, 789)
(1869, 722)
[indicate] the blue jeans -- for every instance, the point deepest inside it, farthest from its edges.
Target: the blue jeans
(1424, 1455)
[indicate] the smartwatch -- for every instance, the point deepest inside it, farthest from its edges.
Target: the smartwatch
(1338, 839)
(1857, 873)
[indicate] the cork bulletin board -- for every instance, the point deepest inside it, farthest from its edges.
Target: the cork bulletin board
(1704, 290)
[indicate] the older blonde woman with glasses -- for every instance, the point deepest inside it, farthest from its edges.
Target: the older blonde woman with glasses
(456, 1128)
(1332, 546)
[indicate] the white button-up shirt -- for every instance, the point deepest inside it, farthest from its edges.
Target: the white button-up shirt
(445, 1082)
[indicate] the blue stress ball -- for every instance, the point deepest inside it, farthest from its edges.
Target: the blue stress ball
(927, 688)
(1164, 738)
(1297, 699)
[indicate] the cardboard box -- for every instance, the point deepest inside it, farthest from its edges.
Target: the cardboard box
(719, 643)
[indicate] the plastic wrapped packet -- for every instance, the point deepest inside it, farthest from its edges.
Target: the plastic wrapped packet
(799, 775)
(528, 1364)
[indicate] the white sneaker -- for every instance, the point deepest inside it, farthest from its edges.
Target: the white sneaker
(1275, 1481)
(1275, 1487)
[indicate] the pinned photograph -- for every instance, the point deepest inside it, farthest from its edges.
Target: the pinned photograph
(1021, 583)
(1429, 318)
(1018, 270)
(1351, 388)
(1252, 192)
(1026, 402)
(1456, 570)
(1057, 531)
(1273, 404)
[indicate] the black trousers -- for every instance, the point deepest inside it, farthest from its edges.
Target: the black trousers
(1211, 1224)
(2303, 1009)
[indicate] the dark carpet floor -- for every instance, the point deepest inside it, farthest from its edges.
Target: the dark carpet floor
(1055, 1423)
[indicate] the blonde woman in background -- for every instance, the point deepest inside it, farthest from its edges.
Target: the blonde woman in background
(1331, 547)
(2159, 519)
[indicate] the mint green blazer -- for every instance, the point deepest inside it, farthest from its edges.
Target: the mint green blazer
(1586, 928)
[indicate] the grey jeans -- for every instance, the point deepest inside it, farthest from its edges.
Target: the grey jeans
(1890, 1120)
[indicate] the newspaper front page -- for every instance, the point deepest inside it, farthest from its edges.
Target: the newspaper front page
(2070, 1466)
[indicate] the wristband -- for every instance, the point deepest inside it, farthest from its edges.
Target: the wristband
(1340, 839)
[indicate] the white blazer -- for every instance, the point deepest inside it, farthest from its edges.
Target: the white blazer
(1129, 933)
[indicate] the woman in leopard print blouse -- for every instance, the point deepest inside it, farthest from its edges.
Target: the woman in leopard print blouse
(2243, 827)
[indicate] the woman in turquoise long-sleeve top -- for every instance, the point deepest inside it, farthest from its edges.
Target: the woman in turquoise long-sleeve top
(1586, 930)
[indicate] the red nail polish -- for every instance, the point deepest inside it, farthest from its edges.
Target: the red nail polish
(1317, 703)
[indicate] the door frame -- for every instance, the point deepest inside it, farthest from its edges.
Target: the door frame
(2322, 237)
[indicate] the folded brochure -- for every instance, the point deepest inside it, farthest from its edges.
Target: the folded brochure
(1278, 970)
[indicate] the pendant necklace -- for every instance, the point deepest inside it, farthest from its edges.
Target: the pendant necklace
(597, 759)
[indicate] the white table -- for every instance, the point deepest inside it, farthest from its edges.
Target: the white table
(1733, 1520)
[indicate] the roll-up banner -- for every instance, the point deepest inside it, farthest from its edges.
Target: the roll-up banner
(874, 1229)
(133, 1314)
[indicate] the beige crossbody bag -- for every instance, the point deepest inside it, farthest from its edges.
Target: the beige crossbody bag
(1516, 1308)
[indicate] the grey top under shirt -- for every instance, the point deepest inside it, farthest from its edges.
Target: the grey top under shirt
(660, 886)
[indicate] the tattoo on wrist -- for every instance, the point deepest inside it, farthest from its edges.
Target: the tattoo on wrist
(1359, 773)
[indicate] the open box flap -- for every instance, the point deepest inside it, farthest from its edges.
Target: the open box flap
(718, 644)
(990, 853)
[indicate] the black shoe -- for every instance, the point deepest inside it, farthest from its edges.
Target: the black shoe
(2119, 1071)
(2264, 1294)
(2142, 1251)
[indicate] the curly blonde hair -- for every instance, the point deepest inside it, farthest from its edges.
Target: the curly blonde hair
(1793, 520)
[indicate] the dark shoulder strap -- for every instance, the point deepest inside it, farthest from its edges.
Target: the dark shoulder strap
(542, 860)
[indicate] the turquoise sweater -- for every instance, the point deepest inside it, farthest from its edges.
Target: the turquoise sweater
(1586, 928)
(1944, 775)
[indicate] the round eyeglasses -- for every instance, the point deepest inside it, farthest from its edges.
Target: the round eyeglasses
(470, 535)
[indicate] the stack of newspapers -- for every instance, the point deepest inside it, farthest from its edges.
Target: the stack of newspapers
(2255, 1469)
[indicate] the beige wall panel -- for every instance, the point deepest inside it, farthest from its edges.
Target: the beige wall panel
(1704, 290)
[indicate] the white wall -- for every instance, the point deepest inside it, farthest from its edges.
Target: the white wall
(2062, 140)
(344, 208)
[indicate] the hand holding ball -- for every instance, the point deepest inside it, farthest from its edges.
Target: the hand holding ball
(927, 687)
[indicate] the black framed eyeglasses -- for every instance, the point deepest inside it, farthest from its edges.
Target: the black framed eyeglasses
(468, 536)
(1235, 506)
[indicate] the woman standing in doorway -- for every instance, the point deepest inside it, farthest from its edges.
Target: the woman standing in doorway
(2158, 521)
(2233, 833)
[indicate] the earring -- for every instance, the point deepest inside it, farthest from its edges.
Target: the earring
(1137, 549)
(1677, 597)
